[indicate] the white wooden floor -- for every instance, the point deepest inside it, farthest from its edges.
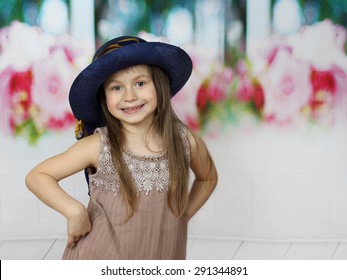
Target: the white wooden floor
(198, 248)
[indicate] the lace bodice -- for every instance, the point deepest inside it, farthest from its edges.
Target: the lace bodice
(149, 172)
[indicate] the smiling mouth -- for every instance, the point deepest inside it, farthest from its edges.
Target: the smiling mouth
(132, 109)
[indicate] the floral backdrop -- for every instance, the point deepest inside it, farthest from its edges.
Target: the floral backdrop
(283, 81)
(36, 71)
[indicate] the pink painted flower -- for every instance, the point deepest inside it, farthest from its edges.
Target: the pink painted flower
(6, 119)
(72, 50)
(248, 88)
(263, 54)
(214, 89)
(250, 91)
(245, 90)
(258, 96)
(332, 80)
(287, 87)
(266, 53)
(329, 87)
(20, 93)
(202, 96)
(323, 81)
(15, 87)
(52, 80)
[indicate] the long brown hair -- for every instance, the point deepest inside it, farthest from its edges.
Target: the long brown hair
(165, 124)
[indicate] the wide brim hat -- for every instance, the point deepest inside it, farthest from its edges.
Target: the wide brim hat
(118, 54)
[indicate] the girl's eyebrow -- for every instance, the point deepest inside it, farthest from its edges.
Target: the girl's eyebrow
(114, 80)
(140, 76)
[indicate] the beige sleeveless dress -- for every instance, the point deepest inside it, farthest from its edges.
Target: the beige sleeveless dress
(153, 232)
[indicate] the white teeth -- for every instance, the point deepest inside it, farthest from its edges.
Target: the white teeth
(132, 108)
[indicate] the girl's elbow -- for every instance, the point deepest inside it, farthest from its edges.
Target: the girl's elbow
(214, 178)
(29, 180)
(214, 183)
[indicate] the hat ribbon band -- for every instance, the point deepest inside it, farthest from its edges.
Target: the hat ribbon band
(116, 46)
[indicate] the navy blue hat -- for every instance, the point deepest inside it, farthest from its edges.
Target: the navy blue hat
(115, 55)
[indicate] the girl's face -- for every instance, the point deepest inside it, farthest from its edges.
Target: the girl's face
(131, 96)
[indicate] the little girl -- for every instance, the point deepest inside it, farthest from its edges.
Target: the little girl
(137, 155)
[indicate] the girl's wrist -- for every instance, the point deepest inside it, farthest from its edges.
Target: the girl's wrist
(74, 208)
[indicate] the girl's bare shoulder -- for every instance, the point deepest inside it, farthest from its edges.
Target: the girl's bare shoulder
(84, 153)
(87, 148)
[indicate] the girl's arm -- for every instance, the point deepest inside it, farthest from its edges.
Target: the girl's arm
(205, 172)
(43, 180)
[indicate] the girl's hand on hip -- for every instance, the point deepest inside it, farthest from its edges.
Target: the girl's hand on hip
(77, 225)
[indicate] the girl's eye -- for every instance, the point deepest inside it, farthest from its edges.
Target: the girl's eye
(140, 84)
(116, 88)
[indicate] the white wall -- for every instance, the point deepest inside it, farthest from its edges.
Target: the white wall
(21, 213)
(278, 184)
(273, 184)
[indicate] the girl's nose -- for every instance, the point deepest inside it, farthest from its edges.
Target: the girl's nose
(130, 95)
